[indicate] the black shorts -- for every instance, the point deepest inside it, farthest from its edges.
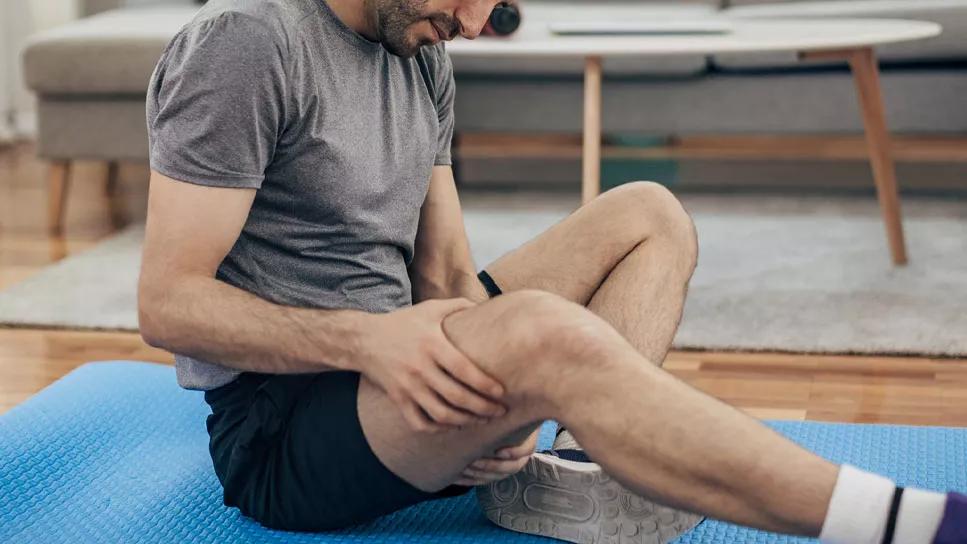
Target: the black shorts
(289, 452)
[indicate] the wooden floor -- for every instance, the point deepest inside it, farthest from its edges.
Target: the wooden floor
(829, 388)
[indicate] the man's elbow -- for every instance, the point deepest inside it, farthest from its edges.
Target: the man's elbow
(152, 322)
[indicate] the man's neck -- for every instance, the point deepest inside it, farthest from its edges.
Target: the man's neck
(355, 15)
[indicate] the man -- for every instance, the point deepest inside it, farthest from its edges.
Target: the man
(305, 257)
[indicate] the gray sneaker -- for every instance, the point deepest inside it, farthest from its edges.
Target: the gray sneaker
(561, 494)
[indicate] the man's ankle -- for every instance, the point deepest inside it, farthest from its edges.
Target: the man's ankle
(867, 508)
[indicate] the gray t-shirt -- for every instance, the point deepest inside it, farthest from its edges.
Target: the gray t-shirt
(338, 136)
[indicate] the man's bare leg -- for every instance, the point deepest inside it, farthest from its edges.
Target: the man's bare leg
(627, 256)
(661, 438)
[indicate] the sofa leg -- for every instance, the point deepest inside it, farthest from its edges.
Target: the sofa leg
(114, 201)
(111, 181)
(58, 182)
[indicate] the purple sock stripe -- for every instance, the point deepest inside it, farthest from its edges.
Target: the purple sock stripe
(953, 526)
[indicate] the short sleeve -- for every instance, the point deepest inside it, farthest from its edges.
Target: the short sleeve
(445, 88)
(217, 101)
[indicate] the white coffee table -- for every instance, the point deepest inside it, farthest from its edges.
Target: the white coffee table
(850, 40)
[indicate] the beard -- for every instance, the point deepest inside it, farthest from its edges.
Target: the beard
(393, 20)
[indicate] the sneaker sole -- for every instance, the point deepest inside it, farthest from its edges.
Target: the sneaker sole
(579, 503)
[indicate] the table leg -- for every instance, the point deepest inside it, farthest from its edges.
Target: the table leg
(866, 74)
(591, 165)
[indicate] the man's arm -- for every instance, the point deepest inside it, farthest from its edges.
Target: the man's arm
(442, 266)
(183, 308)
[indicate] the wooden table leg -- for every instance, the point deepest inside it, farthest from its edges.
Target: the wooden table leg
(58, 180)
(591, 160)
(866, 74)
(867, 77)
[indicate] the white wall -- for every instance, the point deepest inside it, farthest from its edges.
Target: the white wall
(18, 20)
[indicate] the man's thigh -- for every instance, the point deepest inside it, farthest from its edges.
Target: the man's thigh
(292, 452)
(573, 257)
(431, 462)
(495, 335)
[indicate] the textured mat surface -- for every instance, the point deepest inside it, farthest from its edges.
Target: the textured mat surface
(116, 452)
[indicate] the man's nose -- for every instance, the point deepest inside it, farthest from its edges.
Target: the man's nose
(473, 17)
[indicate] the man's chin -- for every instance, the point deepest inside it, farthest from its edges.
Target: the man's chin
(404, 50)
(405, 54)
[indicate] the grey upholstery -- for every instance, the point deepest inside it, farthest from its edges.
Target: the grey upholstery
(91, 77)
(91, 7)
(107, 128)
(109, 53)
(917, 102)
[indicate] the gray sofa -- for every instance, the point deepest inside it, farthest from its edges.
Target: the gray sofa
(91, 76)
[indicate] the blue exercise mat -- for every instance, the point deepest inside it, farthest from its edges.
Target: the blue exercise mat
(116, 452)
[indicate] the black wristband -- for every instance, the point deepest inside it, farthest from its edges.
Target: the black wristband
(489, 284)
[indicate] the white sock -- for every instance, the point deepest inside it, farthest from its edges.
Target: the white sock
(860, 509)
(919, 517)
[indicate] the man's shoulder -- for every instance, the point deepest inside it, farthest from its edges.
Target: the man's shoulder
(278, 19)
(434, 55)
(436, 63)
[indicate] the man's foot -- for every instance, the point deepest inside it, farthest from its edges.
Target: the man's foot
(561, 494)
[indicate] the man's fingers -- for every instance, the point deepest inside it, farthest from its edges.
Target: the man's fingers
(501, 466)
(418, 420)
(461, 396)
(456, 363)
(523, 449)
(440, 412)
(516, 452)
(469, 482)
(486, 476)
(463, 369)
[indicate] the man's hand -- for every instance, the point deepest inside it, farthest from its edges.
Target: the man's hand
(507, 462)
(435, 386)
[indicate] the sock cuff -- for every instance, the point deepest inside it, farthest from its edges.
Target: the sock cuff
(858, 509)
(920, 515)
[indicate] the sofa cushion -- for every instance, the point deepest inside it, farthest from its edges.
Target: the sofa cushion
(110, 53)
(951, 14)
(538, 14)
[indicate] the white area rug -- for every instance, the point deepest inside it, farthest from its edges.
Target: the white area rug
(787, 274)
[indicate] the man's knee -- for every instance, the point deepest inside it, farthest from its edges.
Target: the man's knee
(548, 324)
(656, 212)
(528, 336)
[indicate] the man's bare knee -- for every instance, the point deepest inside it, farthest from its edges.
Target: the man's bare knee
(656, 213)
(528, 337)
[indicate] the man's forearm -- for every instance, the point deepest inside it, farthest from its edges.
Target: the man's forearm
(442, 265)
(210, 320)
(446, 280)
